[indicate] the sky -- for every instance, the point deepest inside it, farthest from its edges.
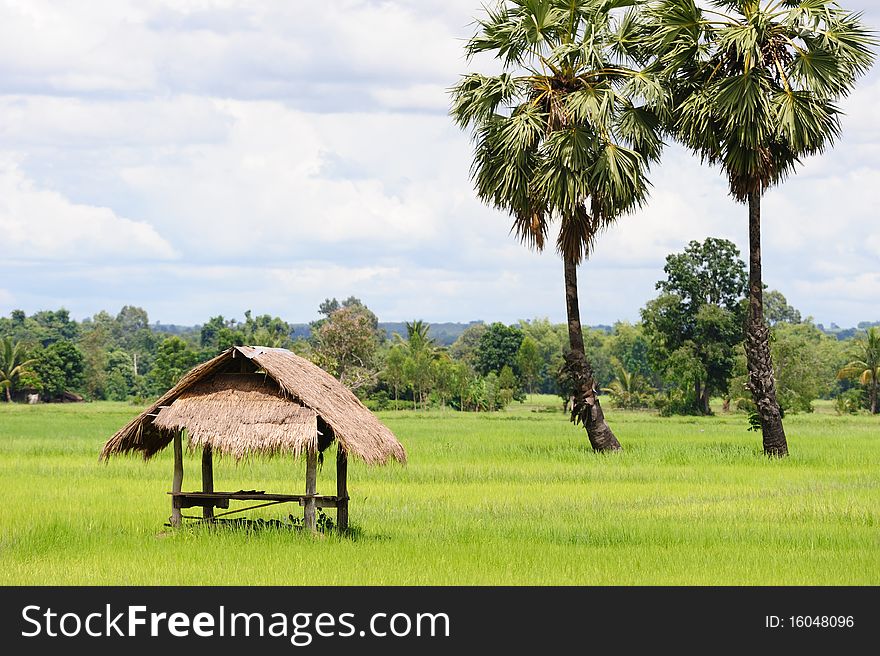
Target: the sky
(205, 157)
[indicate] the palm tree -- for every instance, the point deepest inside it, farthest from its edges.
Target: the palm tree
(628, 389)
(421, 351)
(866, 366)
(756, 83)
(417, 335)
(13, 363)
(563, 135)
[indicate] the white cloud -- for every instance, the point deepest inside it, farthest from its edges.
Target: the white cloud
(269, 189)
(39, 122)
(290, 151)
(40, 224)
(325, 53)
(415, 97)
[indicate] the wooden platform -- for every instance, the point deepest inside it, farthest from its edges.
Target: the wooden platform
(208, 499)
(221, 499)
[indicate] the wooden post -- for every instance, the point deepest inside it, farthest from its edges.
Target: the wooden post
(207, 480)
(341, 488)
(311, 487)
(177, 481)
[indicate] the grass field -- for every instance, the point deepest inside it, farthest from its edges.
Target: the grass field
(507, 498)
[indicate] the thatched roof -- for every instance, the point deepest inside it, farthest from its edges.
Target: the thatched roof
(241, 415)
(252, 400)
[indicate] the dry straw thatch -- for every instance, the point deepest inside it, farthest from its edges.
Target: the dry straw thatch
(241, 415)
(251, 400)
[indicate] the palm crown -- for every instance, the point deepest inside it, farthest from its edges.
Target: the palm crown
(566, 132)
(867, 365)
(757, 80)
(13, 364)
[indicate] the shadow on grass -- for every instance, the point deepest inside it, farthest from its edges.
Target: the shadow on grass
(292, 525)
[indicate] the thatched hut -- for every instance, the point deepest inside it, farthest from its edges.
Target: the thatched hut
(253, 400)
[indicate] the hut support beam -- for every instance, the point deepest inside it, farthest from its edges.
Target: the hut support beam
(208, 480)
(311, 490)
(177, 481)
(341, 489)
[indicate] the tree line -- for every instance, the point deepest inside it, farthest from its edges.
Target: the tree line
(686, 350)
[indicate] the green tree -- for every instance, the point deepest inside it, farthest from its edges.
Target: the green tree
(695, 325)
(805, 362)
(95, 344)
(777, 310)
(14, 362)
(120, 379)
(417, 335)
(628, 390)
(131, 320)
(866, 365)
(421, 353)
(463, 377)
(529, 363)
(266, 330)
(507, 387)
(629, 346)
(173, 360)
(56, 326)
(552, 341)
(346, 346)
(443, 374)
(565, 133)
(132, 333)
(419, 377)
(331, 305)
(59, 367)
(43, 328)
(211, 331)
(394, 372)
(465, 347)
(756, 86)
(498, 348)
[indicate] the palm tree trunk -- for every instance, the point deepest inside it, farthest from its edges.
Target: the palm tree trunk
(873, 394)
(761, 380)
(698, 397)
(585, 405)
(8, 395)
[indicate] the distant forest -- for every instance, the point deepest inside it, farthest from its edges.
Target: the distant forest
(685, 351)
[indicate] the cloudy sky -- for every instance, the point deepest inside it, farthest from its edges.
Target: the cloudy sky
(203, 157)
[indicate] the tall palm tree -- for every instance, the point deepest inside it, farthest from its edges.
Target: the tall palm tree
(756, 82)
(563, 135)
(13, 363)
(866, 366)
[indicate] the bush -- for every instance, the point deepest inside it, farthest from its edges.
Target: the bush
(378, 401)
(851, 401)
(675, 402)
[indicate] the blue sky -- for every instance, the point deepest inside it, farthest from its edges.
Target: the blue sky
(203, 157)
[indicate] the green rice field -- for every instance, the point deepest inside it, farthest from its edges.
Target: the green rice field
(514, 498)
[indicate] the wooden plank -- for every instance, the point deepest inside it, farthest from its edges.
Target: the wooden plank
(246, 496)
(189, 502)
(207, 479)
(341, 488)
(311, 486)
(177, 481)
(326, 502)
